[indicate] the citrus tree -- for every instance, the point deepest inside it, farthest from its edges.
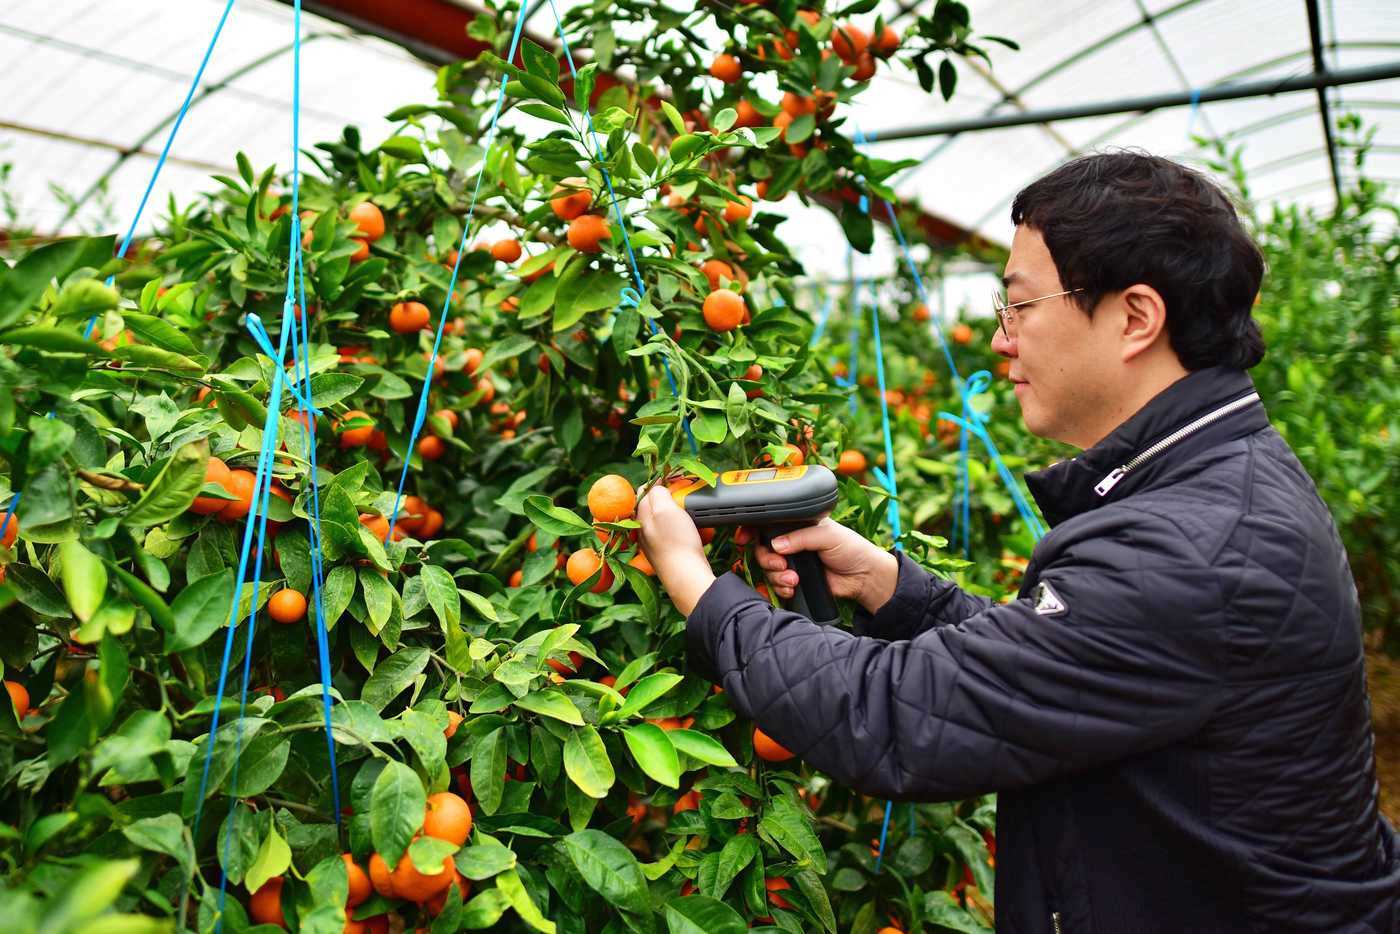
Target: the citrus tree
(516, 740)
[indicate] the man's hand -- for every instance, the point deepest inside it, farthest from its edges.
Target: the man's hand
(855, 568)
(672, 545)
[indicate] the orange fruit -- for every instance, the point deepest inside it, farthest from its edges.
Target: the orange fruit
(216, 471)
(412, 512)
(961, 333)
(797, 105)
(849, 41)
(380, 876)
(359, 882)
(769, 750)
(516, 577)
(19, 696)
(438, 902)
(570, 667)
(431, 447)
(448, 818)
(369, 219)
(581, 566)
(432, 524)
(715, 270)
(641, 563)
(782, 121)
(887, 43)
(1004, 369)
(287, 606)
(690, 801)
(361, 252)
(851, 464)
(865, 67)
(487, 390)
(724, 310)
(587, 231)
(726, 68)
(774, 886)
(735, 211)
(408, 317)
(474, 358)
(448, 416)
(507, 251)
(356, 436)
(571, 199)
(379, 526)
(612, 499)
(240, 483)
(748, 115)
(921, 312)
(265, 907)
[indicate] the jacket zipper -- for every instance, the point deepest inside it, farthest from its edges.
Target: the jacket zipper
(1118, 473)
(1055, 920)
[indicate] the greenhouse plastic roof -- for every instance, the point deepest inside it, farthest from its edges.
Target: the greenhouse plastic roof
(89, 93)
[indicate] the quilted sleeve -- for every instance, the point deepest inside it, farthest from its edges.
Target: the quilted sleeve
(920, 601)
(1130, 661)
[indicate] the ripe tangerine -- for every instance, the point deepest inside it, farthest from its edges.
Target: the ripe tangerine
(369, 219)
(215, 471)
(447, 818)
(583, 564)
(586, 233)
(612, 499)
(724, 310)
(287, 606)
(240, 483)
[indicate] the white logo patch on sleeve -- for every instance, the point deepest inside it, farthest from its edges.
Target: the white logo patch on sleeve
(1047, 602)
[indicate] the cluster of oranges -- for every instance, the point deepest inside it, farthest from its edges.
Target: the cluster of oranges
(447, 817)
(236, 483)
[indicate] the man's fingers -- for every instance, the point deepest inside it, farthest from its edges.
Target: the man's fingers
(768, 559)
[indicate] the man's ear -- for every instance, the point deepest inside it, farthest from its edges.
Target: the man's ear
(1144, 319)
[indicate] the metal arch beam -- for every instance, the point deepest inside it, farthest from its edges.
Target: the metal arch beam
(114, 147)
(1324, 109)
(194, 102)
(1151, 102)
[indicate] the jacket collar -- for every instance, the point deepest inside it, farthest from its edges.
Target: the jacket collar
(1066, 489)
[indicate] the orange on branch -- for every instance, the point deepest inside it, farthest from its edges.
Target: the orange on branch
(612, 499)
(287, 606)
(265, 906)
(507, 251)
(726, 68)
(447, 818)
(768, 749)
(724, 310)
(431, 447)
(571, 199)
(216, 471)
(851, 464)
(356, 436)
(240, 483)
(360, 886)
(409, 317)
(587, 232)
(581, 566)
(369, 219)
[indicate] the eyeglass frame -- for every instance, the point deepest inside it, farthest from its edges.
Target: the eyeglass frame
(1002, 309)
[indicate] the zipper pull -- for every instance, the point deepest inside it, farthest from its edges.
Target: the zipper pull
(1110, 481)
(1055, 920)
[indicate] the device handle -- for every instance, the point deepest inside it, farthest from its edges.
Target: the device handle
(812, 598)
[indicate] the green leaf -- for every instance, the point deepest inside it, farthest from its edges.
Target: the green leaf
(674, 115)
(336, 592)
(160, 333)
(393, 675)
(724, 119)
(85, 298)
(379, 598)
(428, 854)
(441, 591)
(791, 829)
(261, 764)
(488, 771)
(84, 579)
(700, 914)
(702, 746)
(88, 892)
(145, 355)
(57, 340)
(655, 753)
(396, 810)
(858, 227)
(800, 129)
(551, 704)
(23, 285)
(329, 388)
(739, 850)
(485, 909)
(508, 347)
(274, 858)
(648, 690)
(736, 410)
(403, 147)
(554, 520)
(173, 489)
(149, 600)
(586, 762)
(609, 869)
(46, 828)
(34, 589)
(163, 834)
(484, 861)
(49, 440)
(509, 884)
(687, 145)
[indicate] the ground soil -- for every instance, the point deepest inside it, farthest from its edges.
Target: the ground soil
(1383, 677)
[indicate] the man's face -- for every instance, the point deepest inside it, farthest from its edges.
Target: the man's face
(1063, 362)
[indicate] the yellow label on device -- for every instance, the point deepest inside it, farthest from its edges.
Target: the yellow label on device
(762, 474)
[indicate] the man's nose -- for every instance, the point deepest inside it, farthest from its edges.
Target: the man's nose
(1001, 345)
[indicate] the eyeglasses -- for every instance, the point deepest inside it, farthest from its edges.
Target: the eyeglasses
(1008, 318)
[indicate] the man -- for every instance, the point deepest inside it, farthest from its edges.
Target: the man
(1174, 709)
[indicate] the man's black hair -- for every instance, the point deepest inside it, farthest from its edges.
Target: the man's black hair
(1112, 220)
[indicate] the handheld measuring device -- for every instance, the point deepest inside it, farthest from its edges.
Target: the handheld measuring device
(773, 500)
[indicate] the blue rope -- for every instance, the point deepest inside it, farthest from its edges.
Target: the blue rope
(822, 317)
(421, 415)
(621, 221)
(165, 151)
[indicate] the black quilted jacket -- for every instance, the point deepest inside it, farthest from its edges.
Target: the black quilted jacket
(1173, 711)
